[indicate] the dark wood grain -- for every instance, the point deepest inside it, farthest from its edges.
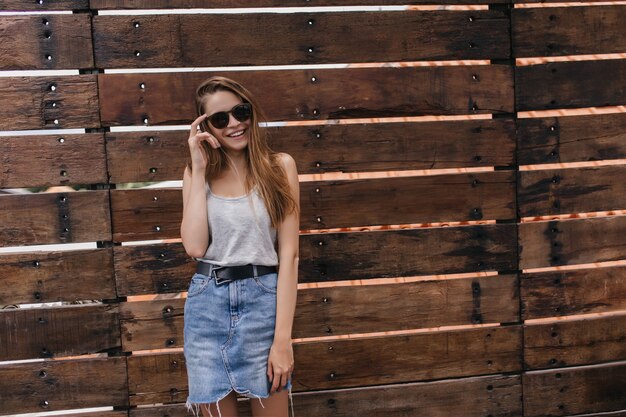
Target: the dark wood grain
(560, 293)
(568, 391)
(61, 385)
(347, 363)
(54, 218)
(575, 342)
(46, 42)
(558, 31)
(335, 94)
(341, 256)
(156, 214)
(31, 102)
(204, 40)
(34, 161)
(332, 311)
(58, 332)
(470, 397)
(152, 269)
(571, 139)
(570, 242)
(564, 85)
(57, 276)
(20, 5)
(161, 155)
(571, 190)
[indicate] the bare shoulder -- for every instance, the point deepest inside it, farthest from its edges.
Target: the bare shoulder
(287, 162)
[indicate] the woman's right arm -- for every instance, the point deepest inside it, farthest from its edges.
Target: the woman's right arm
(194, 228)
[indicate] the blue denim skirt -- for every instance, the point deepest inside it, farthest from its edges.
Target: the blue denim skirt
(228, 333)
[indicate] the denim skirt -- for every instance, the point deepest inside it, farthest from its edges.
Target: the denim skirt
(228, 333)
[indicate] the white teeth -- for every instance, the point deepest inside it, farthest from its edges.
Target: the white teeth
(234, 135)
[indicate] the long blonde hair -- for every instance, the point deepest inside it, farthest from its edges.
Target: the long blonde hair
(264, 167)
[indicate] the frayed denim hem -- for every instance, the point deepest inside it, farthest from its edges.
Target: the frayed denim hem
(194, 408)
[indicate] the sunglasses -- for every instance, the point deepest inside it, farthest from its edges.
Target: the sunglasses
(241, 112)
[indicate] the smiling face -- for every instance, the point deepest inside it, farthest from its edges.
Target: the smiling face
(235, 136)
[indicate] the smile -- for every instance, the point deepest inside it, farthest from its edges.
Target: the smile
(237, 133)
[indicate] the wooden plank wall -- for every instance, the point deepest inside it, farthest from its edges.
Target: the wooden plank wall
(430, 290)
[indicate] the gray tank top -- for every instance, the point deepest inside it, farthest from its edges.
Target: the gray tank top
(241, 231)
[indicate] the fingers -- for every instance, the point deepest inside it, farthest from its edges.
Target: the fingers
(206, 136)
(279, 379)
(196, 123)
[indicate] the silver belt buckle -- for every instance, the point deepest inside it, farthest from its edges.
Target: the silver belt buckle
(218, 280)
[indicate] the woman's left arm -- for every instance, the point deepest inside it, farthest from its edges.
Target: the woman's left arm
(281, 362)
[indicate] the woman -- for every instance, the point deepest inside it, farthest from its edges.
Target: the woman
(240, 221)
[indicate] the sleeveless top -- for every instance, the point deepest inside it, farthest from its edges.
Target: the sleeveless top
(240, 231)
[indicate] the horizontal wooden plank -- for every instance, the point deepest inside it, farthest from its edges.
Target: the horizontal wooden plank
(152, 269)
(161, 155)
(571, 139)
(97, 414)
(156, 214)
(46, 42)
(457, 197)
(560, 293)
(571, 190)
(586, 389)
(564, 85)
(42, 218)
(60, 385)
(346, 363)
(21, 5)
(314, 38)
(570, 242)
(319, 312)
(34, 161)
(585, 341)
(496, 395)
(49, 102)
(175, 4)
(57, 276)
(315, 93)
(343, 256)
(554, 31)
(59, 331)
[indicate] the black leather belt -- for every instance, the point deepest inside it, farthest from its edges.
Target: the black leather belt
(230, 273)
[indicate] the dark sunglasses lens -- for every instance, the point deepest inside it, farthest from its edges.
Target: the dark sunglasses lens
(219, 120)
(242, 112)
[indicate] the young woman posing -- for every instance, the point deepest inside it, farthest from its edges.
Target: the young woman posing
(241, 210)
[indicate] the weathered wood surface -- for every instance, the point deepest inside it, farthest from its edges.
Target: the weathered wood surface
(20, 5)
(156, 214)
(61, 385)
(568, 391)
(59, 331)
(558, 31)
(570, 242)
(54, 218)
(204, 40)
(575, 342)
(340, 256)
(57, 276)
(96, 414)
(571, 190)
(222, 4)
(34, 161)
(161, 155)
(470, 397)
(345, 310)
(152, 269)
(571, 139)
(560, 85)
(348, 363)
(561, 293)
(46, 42)
(334, 93)
(37, 102)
